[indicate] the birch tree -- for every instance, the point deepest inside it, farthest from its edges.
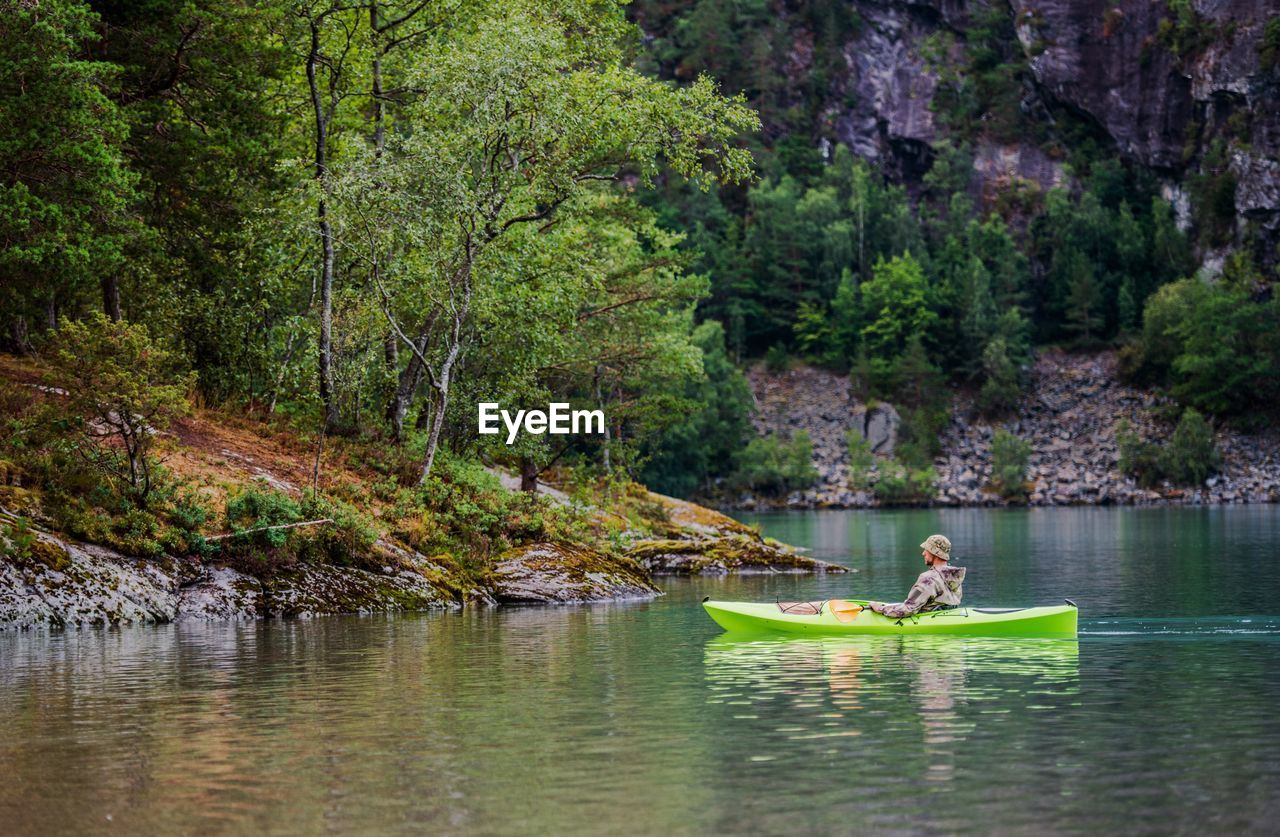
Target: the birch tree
(513, 115)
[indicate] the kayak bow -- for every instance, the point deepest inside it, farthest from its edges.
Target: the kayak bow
(1057, 621)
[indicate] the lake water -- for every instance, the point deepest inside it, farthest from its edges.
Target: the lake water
(644, 718)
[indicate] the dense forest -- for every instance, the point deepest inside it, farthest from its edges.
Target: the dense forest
(361, 218)
(915, 268)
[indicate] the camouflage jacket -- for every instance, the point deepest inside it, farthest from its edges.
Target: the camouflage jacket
(935, 586)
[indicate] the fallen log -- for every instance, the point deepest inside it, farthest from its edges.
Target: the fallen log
(269, 528)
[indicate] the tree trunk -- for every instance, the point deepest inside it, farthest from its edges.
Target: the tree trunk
(438, 409)
(409, 380)
(18, 335)
(111, 297)
(326, 236)
(441, 381)
(379, 126)
(528, 475)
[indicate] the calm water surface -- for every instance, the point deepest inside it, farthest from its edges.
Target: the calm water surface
(644, 718)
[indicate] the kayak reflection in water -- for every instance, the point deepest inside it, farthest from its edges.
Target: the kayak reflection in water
(937, 587)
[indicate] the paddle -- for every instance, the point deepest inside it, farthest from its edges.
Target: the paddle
(846, 610)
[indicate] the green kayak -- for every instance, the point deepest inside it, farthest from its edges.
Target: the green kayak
(843, 616)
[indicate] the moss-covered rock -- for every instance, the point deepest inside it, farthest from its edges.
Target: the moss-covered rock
(321, 589)
(560, 573)
(683, 518)
(720, 556)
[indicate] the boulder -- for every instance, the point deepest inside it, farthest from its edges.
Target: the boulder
(881, 428)
(556, 573)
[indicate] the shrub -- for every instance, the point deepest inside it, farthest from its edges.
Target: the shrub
(1139, 459)
(120, 383)
(777, 360)
(1188, 458)
(1001, 389)
(1216, 347)
(1010, 456)
(900, 485)
(1191, 454)
(772, 465)
(257, 510)
(1269, 45)
(918, 436)
(347, 541)
(861, 460)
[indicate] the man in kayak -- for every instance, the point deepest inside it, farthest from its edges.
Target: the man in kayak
(937, 587)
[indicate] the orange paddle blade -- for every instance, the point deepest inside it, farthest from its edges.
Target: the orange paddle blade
(845, 611)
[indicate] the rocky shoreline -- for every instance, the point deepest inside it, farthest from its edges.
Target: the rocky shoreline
(59, 582)
(1069, 414)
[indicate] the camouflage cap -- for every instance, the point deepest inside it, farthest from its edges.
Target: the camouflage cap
(938, 545)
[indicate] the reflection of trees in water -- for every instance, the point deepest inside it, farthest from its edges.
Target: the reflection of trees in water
(864, 682)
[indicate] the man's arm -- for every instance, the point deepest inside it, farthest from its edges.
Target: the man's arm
(922, 591)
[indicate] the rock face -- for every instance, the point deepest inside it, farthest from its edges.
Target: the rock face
(889, 83)
(92, 586)
(820, 403)
(1069, 415)
(1103, 58)
(544, 573)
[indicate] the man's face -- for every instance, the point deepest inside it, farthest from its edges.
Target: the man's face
(927, 555)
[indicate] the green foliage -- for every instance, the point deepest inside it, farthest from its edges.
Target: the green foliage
(981, 93)
(260, 543)
(207, 142)
(777, 360)
(861, 460)
(743, 43)
(1116, 239)
(1213, 195)
(1216, 348)
(1010, 456)
(65, 196)
(1138, 458)
(1186, 33)
(918, 436)
(895, 300)
(17, 540)
(253, 509)
(1001, 389)
(1188, 458)
(121, 384)
(691, 454)
(1269, 44)
(900, 485)
(773, 465)
(1191, 454)
(463, 511)
(917, 381)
